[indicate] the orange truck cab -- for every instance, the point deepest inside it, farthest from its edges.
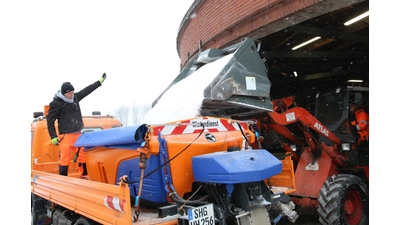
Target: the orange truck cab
(44, 154)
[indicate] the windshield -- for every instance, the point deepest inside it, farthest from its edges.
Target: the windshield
(329, 108)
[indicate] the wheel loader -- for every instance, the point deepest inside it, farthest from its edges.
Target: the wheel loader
(332, 163)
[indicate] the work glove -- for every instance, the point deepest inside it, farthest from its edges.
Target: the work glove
(54, 141)
(354, 129)
(103, 78)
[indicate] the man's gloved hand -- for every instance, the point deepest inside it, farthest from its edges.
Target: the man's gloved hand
(103, 78)
(54, 141)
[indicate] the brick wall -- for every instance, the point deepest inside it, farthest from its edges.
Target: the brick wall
(220, 23)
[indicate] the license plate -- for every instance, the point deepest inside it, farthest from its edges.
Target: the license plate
(203, 215)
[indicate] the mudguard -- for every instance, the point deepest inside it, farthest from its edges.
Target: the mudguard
(235, 167)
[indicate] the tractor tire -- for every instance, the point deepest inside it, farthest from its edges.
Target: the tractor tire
(343, 200)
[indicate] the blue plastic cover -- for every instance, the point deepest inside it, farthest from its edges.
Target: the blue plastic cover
(235, 167)
(129, 137)
(153, 189)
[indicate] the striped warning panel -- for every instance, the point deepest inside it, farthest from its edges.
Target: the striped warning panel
(114, 203)
(196, 125)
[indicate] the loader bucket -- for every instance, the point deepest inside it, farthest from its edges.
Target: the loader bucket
(239, 88)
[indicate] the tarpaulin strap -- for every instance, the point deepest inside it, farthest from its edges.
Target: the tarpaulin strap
(137, 201)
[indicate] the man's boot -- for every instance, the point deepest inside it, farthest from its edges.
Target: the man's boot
(63, 170)
(84, 173)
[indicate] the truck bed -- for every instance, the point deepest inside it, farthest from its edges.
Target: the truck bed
(103, 203)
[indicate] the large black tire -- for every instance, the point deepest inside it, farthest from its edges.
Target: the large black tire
(38, 210)
(343, 200)
(85, 221)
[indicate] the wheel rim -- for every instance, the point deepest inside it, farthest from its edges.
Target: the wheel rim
(353, 207)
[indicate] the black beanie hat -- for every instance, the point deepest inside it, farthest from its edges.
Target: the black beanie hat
(66, 87)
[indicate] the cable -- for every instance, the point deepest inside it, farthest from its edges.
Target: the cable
(162, 165)
(241, 130)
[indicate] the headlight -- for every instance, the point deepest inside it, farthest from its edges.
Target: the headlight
(346, 146)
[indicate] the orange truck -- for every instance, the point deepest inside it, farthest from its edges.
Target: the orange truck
(182, 172)
(197, 170)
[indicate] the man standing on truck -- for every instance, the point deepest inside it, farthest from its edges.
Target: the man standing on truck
(360, 123)
(66, 110)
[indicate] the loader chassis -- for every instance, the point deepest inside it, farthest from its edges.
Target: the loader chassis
(332, 169)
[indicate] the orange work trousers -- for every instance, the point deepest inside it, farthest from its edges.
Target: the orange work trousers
(67, 149)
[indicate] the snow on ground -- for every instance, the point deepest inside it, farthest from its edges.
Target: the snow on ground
(183, 100)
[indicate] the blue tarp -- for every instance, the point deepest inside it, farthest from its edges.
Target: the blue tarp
(129, 137)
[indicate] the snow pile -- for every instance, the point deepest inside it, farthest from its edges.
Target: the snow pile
(183, 100)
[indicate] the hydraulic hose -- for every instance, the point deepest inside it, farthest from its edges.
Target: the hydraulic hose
(176, 198)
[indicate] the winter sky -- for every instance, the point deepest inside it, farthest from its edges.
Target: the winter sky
(50, 42)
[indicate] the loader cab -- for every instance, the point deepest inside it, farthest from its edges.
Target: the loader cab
(332, 110)
(360, 98)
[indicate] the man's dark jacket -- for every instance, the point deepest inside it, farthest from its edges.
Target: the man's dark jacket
(69, 115)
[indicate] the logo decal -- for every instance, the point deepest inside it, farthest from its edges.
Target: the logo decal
(321, 129)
